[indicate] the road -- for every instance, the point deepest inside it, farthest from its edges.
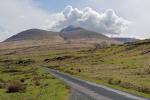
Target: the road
(93, 91)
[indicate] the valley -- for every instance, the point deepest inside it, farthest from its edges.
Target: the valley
(125, 67)
(74, 50)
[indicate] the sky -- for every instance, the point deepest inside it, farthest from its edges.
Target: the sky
(122, 18)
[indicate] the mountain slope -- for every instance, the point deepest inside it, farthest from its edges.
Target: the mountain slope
(34, 34)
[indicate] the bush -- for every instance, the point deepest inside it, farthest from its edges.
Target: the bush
(14, 86)
(11, 71)
(114, 81)
(79, 70)
(1, 85)
(47, 60)
(144, 90)
(71, 68)
(25, 62)
(22, 80)
(37, 83)
(37, 80)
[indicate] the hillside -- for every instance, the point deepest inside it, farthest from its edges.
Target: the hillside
(34, 34)
(125, 67)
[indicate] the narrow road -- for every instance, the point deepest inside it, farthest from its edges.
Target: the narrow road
(93, 91)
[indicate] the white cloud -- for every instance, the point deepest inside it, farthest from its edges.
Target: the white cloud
(106, 23)
(136, 11)
(19, 15)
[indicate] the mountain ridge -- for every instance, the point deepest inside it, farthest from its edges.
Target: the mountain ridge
(70, 33)
(34, 34)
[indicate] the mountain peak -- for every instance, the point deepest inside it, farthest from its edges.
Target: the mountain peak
(71, 28)
(77, 33)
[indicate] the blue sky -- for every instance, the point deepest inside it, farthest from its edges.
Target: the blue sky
(44, 14)
(57, 5)
(54, 5)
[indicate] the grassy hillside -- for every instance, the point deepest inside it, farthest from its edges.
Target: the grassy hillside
(125, 67)
(22, 79)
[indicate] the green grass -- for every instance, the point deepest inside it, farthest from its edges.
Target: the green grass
(124, 67)
(105, 83)
(117, 67)
(40, 85)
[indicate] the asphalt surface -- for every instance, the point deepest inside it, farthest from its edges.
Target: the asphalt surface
(77, 95)
(92, 91)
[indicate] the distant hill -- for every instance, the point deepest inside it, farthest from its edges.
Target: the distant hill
(124, 40)
(34, 34)
(140, 42)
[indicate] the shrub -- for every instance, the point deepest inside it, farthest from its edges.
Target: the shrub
(79, 70)
(14, 86)
(22, 80)
(110, 81)
(37, 80)
(71, 68)
(1, 85)
(147, 70)
(114, 81)
(53, 66)
(1, 80)
(11, 71)
(47, 60)
(25, 62)
(144, 90)
(37, 83)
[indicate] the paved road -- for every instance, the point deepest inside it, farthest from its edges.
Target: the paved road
(93, 91)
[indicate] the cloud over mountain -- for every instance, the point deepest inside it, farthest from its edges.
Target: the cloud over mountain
(106, 23)
(19, 15)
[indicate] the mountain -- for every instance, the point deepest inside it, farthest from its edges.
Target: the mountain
(70, 29)
(72, 32)
(34, 34)
(124, 40)
(69, 34)
(78, 34)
